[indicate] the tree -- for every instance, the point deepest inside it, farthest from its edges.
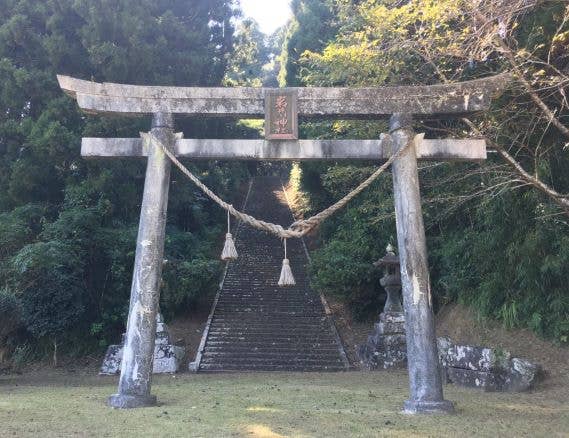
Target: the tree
(496, 230)
(250, 55)
(311, 27)
(74, 222)
(10, 310)
(49, 281)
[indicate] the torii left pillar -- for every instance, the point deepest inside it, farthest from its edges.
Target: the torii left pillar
(136, 367)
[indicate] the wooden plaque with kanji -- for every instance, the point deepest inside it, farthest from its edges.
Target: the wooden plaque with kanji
(281, 115)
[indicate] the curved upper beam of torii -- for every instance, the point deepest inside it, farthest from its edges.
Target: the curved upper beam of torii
(444, 99)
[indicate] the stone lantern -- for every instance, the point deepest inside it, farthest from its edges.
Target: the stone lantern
(391, 280)
(386, 345)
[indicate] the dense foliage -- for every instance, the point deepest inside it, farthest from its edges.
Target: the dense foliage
(498, 238)
(311, 26)
(254, 61)
(68, 226)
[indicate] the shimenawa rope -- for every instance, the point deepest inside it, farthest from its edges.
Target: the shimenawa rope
(299, 228)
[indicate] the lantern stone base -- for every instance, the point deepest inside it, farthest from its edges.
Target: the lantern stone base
(386, 346)
(167, 357)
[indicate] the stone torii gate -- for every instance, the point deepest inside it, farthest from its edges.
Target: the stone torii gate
(282, 108)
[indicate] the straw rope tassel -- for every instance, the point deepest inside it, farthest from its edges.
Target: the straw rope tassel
(229, 251)
(287, 279)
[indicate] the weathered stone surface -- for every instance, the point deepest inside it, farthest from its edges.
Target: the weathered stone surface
(392, 317)
(473, 379)
(486, 368)
(436, 407)
(392, 340)
(137, 358)
(112, 361)
(167, 357)
(386, 345)
(476, 358)
(125, 401)
(449, 99)
(298, 150)
(386, 328)
(522, 375)
(425, 382)
(162, 338)
(443, 344)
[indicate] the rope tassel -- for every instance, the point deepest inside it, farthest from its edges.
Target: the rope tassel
(286, 279)
(229, 251)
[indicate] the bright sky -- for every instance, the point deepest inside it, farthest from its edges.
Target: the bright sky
(270, 14)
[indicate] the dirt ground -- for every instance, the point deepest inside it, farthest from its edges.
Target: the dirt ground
(187, 331)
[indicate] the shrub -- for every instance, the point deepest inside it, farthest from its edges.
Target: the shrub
(49, 282)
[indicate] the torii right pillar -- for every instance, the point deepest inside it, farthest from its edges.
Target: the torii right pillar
(425, 382)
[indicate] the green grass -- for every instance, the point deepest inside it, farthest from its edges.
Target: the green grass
(269, 405)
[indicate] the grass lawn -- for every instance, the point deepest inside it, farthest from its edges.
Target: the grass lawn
(352, 404)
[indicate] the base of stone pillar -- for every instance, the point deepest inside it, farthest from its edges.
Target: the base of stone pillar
(428, 407)
(120, 401)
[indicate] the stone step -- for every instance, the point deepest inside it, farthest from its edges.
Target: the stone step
(312, 305)
(268, 342)
(331, 356)
(285, 327)
(270, 345)
(272, 349)
(272, 358)
(299, 331)
(252, 362)
(209, 368)
(301, 300)
(271, 332)
(309, 333)
(265, 329)
(272, 338)
(223, 310)
(308, 319)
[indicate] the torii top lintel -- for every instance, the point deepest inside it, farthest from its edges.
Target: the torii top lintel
(365, 103)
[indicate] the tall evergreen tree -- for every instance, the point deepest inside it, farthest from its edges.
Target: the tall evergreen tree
(310, 28)
(249, 56)
(78, 219)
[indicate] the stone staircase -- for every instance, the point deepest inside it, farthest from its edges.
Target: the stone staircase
(256, 325)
